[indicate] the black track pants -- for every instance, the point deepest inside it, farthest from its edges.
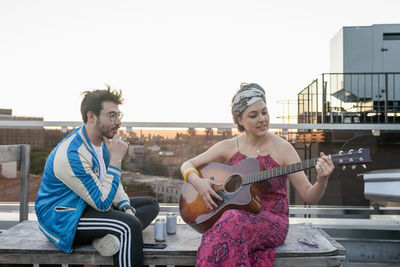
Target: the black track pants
(94, 224)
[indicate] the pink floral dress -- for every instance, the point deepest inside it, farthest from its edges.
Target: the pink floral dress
(241, 238)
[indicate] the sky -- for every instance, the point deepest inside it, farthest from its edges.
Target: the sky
(174, 60)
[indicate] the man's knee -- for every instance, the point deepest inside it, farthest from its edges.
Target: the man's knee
(155, 206)
(135, 224)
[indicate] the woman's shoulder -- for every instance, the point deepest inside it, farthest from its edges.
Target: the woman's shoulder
(281, 142)
(226, 144)
(282, 150)
(226, 147)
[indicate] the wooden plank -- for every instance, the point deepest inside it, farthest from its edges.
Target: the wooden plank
(341, 249)
(54, 258)
(292, 248)
(24, 185)
(311, 261)
(9, 153)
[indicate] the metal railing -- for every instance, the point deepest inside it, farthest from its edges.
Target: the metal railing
(351, 98)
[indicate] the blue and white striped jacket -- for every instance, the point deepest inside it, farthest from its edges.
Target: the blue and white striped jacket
(70, 182)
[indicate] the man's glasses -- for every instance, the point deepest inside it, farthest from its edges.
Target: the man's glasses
(114, 116)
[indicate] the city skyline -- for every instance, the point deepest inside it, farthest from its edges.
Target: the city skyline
(177, 61)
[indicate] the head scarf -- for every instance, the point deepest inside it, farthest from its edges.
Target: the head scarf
(245, 96)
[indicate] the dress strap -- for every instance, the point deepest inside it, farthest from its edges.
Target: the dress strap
(237, 143)
(272, 145)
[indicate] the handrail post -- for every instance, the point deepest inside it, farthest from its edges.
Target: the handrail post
(24, 190)
(386, 98)
(323, 118)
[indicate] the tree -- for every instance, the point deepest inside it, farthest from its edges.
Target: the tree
(153, 166)
(138, 187)
(38, 159)
(177, 174)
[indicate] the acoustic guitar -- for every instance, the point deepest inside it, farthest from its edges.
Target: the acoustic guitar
(242, 186)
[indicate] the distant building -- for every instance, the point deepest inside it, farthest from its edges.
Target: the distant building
(8, 169)
(172, 163)
(153, 148)
(136, 155)
(373, 48)
(32, 135)
(167, 190)
(54, 136)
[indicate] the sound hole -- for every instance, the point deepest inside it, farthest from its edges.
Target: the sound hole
(233, 183)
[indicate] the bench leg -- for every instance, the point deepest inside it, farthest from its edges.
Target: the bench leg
(35, 265)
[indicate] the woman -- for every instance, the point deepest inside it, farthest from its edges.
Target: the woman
(241, 238)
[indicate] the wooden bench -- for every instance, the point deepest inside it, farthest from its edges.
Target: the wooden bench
(25, 244)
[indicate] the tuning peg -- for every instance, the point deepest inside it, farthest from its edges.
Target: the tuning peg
(364, 166)
(344, 168)
(341, 152)
(360, 150)
(353, 167)
(351, 151)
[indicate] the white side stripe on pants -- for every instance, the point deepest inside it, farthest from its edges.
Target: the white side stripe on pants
(126, 252)
(114, 225)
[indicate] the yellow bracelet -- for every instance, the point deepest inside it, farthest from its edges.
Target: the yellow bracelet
(189, 171)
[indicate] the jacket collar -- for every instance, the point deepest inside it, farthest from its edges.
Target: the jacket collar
(88, 144)
(85, 138)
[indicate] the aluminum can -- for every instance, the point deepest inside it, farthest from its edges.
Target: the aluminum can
(171, 223)
(160, 230)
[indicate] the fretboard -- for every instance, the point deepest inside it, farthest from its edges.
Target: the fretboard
(283, 170)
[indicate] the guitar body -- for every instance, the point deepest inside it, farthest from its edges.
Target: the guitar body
(248, 196)
(235, 196)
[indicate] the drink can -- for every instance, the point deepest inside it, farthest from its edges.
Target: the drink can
(160, 233)
(171, 223)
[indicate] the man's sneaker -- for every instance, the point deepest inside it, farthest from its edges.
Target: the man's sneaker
(107, 246)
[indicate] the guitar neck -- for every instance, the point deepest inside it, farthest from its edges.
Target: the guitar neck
(283, 170)
(353, 157)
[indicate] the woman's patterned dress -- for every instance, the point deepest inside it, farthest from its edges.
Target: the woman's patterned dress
(241, 238)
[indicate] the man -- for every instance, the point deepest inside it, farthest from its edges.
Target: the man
(81, 199)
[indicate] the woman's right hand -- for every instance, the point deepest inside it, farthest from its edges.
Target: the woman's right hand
(204, 187)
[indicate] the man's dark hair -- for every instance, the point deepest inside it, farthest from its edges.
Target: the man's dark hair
(93, 100)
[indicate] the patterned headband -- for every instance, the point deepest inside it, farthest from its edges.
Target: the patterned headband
(245, 97)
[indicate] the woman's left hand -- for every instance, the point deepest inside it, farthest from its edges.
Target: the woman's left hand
(324, 167)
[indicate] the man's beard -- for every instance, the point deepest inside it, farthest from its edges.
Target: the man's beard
(105, 131)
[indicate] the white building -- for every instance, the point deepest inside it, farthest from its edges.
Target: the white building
(373, 48)
(367, 49)
(167, 190)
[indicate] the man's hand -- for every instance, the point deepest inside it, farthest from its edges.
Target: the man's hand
(117, 148)
(129, 211)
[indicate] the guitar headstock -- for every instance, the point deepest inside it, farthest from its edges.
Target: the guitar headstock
(352, 157)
